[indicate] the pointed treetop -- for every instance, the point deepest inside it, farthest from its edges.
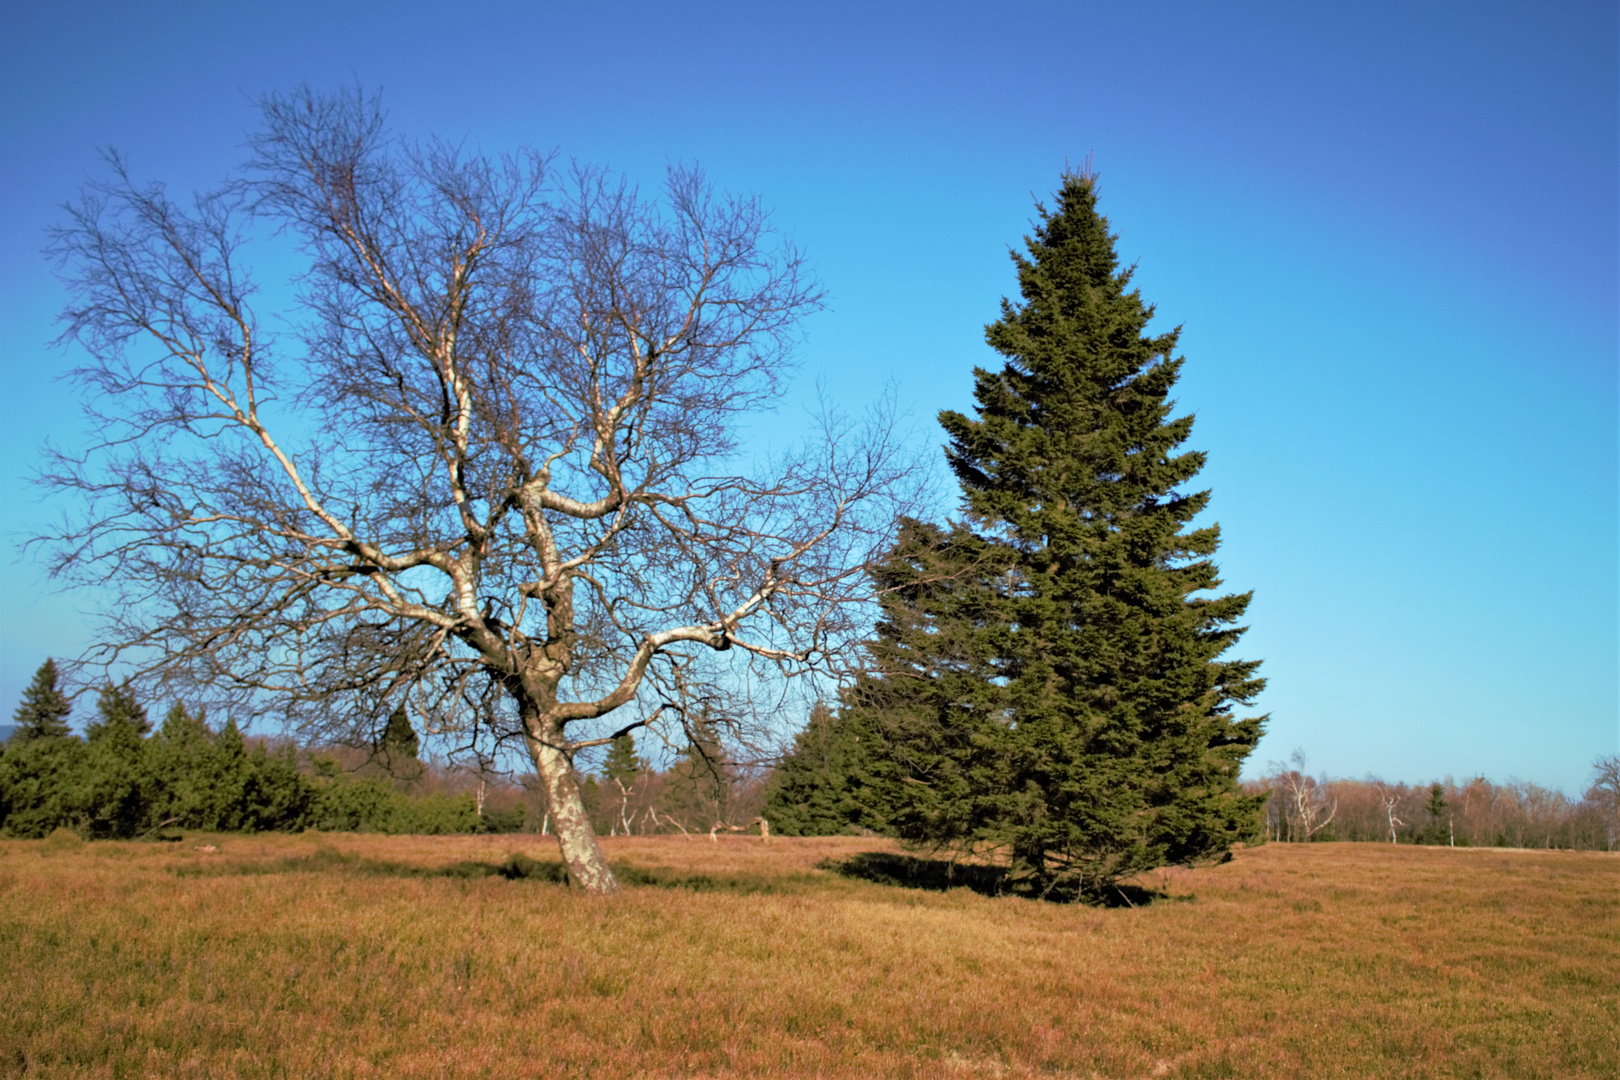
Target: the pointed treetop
(398, 742)
(44, 709)
(1078, 421)
(120, 713)
(622, 764)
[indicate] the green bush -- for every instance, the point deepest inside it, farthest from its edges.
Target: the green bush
(373, 805)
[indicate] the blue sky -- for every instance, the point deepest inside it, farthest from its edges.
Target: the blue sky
(1389, 231)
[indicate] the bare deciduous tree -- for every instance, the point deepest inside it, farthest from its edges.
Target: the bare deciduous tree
(1604, 794)
(1390, 797)
(1306, 809)
(488, 459)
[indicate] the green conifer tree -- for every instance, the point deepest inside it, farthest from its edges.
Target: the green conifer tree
(277, 796)
(44, 710)
(398, 745)
(232, 772)
(1438, 829)
(1047, 682)
(183, 770)
(623, 769)
(119, 715)
(622, 764)
(823, 786)
(697, 788)
(42, 773)
(119, 793)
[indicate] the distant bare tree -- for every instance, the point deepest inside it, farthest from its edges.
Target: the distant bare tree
(1604, 794)
(489, 458)
(1476, 802)
(1390, 796)
(1306, 801)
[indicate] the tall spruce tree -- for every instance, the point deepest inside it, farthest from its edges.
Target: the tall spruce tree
(622, 764)
(44, 709)
(42, 777)
(622, 768)
(1047, 682)
(698, 787)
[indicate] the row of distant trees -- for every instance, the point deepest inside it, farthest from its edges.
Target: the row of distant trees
(1478, 813)
(127, 777)
(828, 785)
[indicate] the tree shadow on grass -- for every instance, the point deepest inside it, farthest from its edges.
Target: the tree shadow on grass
(523, 868)
(938, 875)
(329, 860)
(513, 868)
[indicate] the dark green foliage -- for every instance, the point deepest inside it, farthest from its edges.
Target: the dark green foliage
(215, 782)
(910, 872)
(122, 783)
(622, 765)
(183, 758)
(1437, 830)
(42, 783)
(120, 790)
(397, 746)
(201, 776)
(276, 796)
(938, 691)
(356, 806)
(823, 787)
(42, 770)
(231, 773)
(623, 771)
(44, 709)
(120, 716)
(504, 819)
(1436, 805)
(1046, 683)
(374, 805)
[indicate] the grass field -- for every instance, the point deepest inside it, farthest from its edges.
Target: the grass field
(374, 956)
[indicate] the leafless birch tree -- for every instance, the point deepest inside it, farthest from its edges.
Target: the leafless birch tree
(1390, 797)
(488, 458)
(1306, 808)
(1604, 795)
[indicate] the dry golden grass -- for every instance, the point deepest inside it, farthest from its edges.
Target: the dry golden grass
(358, 956)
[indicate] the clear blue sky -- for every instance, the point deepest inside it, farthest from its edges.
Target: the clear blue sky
(1389, 230)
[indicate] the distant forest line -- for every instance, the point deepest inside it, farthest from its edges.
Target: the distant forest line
(126, 778)
(1474, 813)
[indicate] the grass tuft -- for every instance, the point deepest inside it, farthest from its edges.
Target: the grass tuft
(62, 838)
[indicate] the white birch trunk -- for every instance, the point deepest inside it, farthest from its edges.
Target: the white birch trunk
(576, 840)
